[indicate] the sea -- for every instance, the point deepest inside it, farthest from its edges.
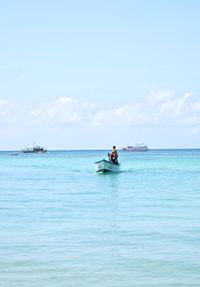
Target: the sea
(63, 225)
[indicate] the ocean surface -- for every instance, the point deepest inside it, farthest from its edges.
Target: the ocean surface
(63, 225)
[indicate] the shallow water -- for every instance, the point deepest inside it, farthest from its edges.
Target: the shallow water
(63, 225)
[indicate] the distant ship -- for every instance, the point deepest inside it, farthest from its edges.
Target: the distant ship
(137, 147)
(34, 149)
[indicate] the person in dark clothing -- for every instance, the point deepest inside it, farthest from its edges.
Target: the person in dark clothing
(113, 156)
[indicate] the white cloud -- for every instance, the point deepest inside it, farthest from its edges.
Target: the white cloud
(161, 108)
(156, 109)
(159, 96)
(3, 102)
(64, 110)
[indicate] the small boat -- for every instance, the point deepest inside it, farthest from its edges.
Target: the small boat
(106, 166)
(34, 149)
(14, 153)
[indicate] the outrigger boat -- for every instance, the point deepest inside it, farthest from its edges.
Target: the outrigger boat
(106, 166)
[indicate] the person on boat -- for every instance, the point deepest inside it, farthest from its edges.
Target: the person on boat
(113, 156)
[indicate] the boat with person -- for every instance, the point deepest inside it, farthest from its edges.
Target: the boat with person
(34, 149)
(111, 165)
(137, 147)
(104, 166)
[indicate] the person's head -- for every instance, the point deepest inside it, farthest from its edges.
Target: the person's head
(114, 147)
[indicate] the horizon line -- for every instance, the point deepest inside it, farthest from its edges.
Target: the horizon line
(178, 148)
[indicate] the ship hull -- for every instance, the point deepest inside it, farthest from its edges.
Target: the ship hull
(25, 151)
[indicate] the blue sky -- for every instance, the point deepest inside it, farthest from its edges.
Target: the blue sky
(90, 74)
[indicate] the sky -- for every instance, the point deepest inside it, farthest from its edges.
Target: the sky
(93, 74)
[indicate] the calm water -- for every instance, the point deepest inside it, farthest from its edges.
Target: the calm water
(63, 225)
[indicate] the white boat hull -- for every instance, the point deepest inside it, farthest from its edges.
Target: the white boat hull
(106, 166)
(138, 147)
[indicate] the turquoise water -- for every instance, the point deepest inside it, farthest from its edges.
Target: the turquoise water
(63, 225)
